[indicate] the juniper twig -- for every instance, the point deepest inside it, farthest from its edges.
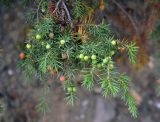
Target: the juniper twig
(68, 14)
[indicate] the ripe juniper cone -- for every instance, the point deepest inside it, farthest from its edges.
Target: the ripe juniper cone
(62, 78)
(67, 40)
(22, 56)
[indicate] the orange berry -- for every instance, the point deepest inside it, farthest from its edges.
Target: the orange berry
(22, 56)
(62, 78)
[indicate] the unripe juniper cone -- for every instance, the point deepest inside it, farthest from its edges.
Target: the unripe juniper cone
(28, 46)
(86, 58)
(38, 37)
(62, 42)
(48, 46)
(113, 42)
(93, 57)
(81, 56)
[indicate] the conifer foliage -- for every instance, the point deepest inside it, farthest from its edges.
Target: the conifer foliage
(64, 39)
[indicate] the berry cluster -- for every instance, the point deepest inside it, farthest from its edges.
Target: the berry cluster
(97, 61)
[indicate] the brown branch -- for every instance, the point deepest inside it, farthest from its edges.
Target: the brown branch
(38, 10)
(68, 14)
(66, 10)
(57, 6)
(129, 17)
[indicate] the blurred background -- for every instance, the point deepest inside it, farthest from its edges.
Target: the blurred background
(132, 20)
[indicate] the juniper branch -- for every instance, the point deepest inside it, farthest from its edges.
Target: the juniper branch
(38, 10)
(57, 6)
(68, 14)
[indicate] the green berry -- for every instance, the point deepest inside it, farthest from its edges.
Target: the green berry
(108, 58)
(81, 56)
(48, 46)
(42, 43)
(113, 42)
(28, 46)
(99, 65)
(112, 52)
(74, 89)
(86, 58)
(103, 64)
(94, 62)
(43, 10)
(69, 89)
(111, 66)
(105, 61)
(78, 56)
(38, 37)
(62, 42)
(93, 57)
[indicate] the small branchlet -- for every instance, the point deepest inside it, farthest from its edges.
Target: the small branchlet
(67, 40)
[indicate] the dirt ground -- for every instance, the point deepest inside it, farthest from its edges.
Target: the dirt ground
(20, 99)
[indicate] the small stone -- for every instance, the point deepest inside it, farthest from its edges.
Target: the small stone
(10, 72)
(147, 119)
(85, 103)
(82, 116)
(157, 104)
(97, 90)
(105, 110)
(151, 63)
